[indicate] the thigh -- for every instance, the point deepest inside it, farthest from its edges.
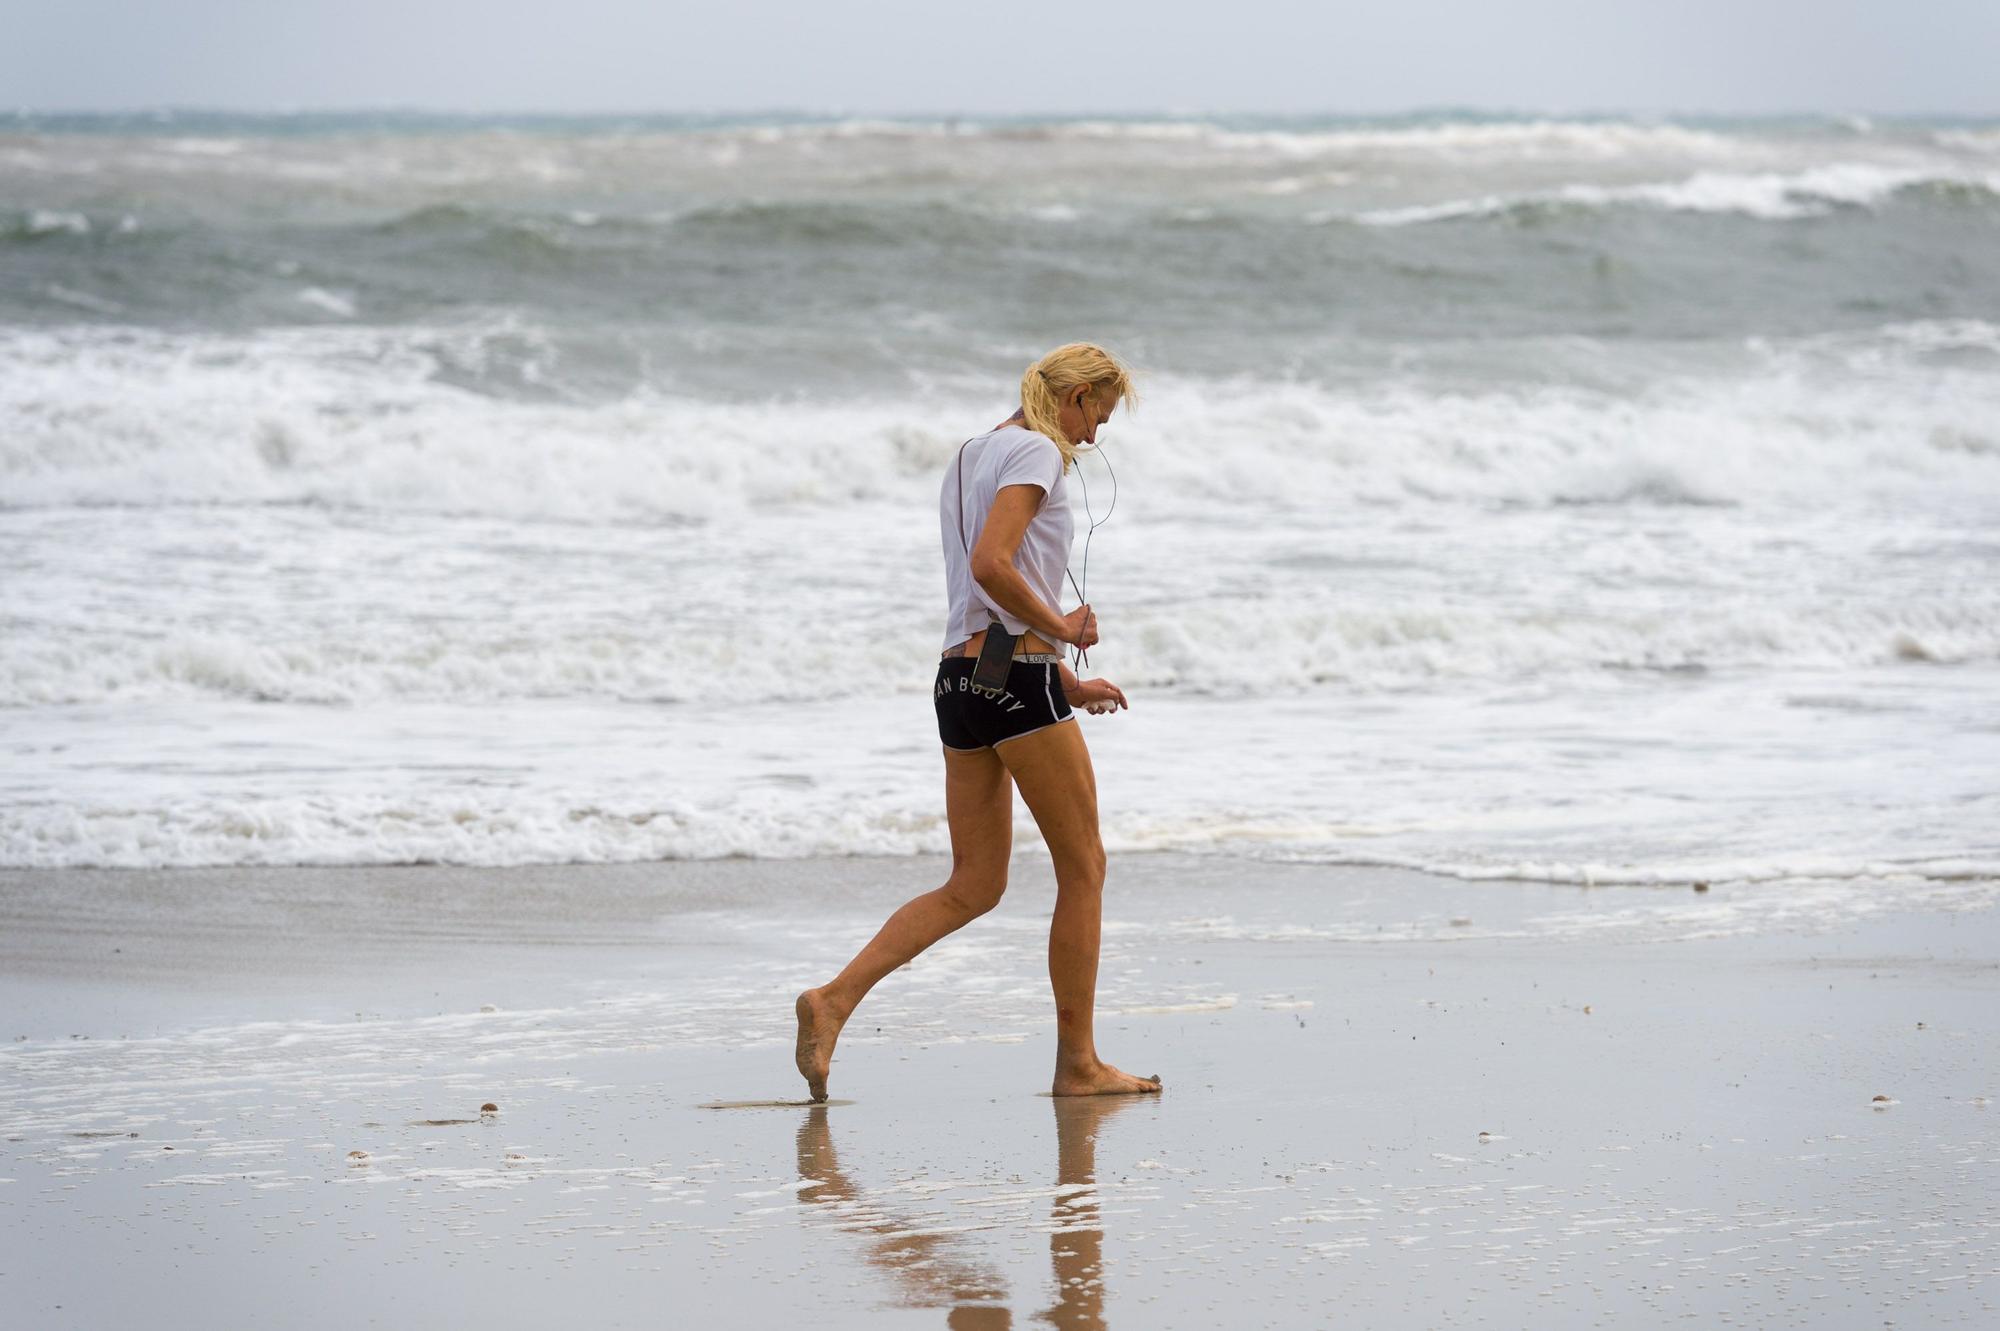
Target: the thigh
(979, 807)
(1052, 768)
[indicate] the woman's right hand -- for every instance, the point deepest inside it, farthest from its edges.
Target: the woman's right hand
(1080, 627)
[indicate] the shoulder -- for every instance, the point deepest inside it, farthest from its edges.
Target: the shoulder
(1021, 446)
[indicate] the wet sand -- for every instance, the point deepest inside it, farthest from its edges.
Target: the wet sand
(254, 1096)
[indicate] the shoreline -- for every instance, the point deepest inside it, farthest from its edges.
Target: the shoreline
(204, 938)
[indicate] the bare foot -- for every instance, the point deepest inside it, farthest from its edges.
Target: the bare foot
(1103, 1079)
(819, 1027)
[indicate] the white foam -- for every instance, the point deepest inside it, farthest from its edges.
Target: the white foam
(204, 147)
(1970, 140)
(50, 221)
(293, 597)
(359, 417)
(1715, 783)
(1686, 526)
(1283, 650)
(1776, 196)
(332, 302)
(1534, 140)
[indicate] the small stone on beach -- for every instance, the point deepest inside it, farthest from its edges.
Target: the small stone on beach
(489, 1108)
(1701, 887)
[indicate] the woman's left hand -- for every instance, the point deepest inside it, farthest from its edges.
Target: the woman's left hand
(1096, 696)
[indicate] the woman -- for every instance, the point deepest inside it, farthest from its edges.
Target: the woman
(1006, 525)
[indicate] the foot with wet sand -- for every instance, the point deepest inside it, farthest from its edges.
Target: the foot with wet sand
(820, 1021)
(819, 1029)
(1100, 1078)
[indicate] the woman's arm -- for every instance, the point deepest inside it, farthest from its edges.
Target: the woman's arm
(993, 569)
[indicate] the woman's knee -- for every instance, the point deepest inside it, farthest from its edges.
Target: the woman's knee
(1081, 867)
(975, 892)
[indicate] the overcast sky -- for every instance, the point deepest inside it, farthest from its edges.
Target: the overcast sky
(905, 57)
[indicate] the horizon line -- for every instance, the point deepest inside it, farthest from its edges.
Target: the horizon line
(1183, 114)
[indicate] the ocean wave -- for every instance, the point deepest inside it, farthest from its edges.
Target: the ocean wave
(1534, 138)
(451, 220)
(654, 256)
(460, 825)
(668, 165)
(435, 217)
(1355, 636)
(809, 222)
(364, 426)
(1804, 867)
(468, 245)
(484, 828)
(43, 223)
(1968, 140)
(1485, 139)
(374, 418)
(1769, 196)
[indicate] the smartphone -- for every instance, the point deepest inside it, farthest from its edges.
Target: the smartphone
(996, 659)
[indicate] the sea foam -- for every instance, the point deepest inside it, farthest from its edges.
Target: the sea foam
(371, 417)
(1773, 196)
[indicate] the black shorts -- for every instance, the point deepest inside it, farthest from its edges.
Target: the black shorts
(969, 720)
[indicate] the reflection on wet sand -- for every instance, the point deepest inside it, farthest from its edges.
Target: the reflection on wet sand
(1076, 1244)
(929, 1265)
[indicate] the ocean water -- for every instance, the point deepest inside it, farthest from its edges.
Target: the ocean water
(1600, 500)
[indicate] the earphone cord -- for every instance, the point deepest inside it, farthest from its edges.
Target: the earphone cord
(1082, 657)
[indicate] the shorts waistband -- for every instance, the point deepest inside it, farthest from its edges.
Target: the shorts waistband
(1026, 658)
(1021, 658)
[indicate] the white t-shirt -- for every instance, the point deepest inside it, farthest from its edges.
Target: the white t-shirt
(1010, 455)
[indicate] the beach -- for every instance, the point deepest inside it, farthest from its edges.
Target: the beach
(256, 1095)
(469, 587)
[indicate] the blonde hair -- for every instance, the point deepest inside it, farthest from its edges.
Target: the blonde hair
(1050, 380)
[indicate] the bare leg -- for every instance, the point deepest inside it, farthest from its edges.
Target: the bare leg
(934, 1270)
(1052, 769)
(979, 806)
(1076, 1243)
